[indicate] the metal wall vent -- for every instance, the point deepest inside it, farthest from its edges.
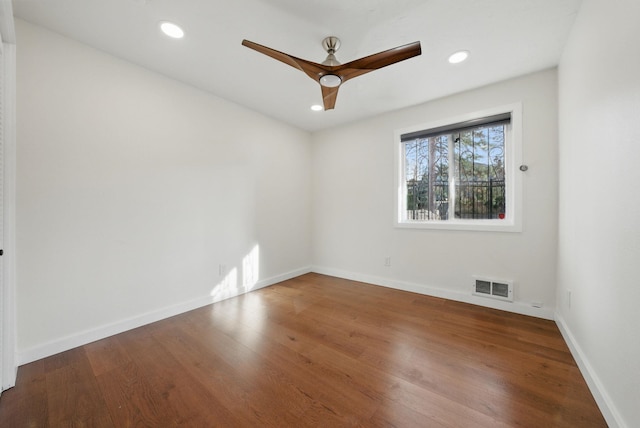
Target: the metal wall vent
(496, 289)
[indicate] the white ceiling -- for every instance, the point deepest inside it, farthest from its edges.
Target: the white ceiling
(506, 38)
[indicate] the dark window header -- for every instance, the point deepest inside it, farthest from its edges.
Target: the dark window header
(498, 119)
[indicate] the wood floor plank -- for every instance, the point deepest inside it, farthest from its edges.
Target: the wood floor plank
(242, 387)
(265, 380)
(183, 398)
(314, 351)
(390, 412)
(106, 354)
(73, 395)
(26, 406)
(434, 407)
(287, 347)
(130, 399)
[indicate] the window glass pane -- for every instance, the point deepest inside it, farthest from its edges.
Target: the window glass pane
(427, 176)
(479, 173)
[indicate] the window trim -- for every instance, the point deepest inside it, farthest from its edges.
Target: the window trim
(513, 182)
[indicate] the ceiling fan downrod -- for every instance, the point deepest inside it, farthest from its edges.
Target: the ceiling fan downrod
(331, 44)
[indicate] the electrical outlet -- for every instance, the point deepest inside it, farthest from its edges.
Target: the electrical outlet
(387, 261)
(222, 269)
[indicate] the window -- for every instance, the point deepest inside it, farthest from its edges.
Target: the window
(461, 173)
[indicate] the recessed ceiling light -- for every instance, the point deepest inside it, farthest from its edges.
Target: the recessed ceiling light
(172, 30)
(458, 57)
(316, 107)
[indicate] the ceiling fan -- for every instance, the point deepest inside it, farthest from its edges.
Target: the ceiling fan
(330, 73)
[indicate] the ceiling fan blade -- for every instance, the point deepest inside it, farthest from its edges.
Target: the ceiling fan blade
(311, 69)
(373, 62)
(329, 96)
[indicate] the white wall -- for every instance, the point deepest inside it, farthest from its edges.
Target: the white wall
(353, 205)
(134, 188)
(599, 240)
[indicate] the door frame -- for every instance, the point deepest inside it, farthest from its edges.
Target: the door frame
(8, 362)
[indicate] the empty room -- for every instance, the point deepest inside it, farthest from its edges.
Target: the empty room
(301, 213)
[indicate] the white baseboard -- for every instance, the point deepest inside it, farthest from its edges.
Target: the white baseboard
(84, 337)
(459, 296)
(608, 409)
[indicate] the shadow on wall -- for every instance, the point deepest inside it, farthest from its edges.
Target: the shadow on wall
(239, 280)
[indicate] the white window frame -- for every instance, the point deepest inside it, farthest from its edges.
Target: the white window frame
(513, 176)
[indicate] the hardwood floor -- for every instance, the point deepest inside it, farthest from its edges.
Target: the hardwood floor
(314, 351)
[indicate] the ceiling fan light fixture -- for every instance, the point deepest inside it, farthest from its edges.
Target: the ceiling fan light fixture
(172, 30)
(458, 57)
(330, 81)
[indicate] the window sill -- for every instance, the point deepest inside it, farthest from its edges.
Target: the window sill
(476, 225)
